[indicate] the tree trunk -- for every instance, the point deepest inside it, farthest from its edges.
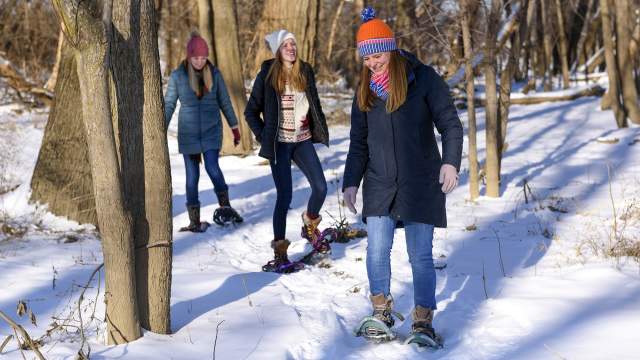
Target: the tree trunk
(612, 67)
(334, 26)
(492, 165)
(169, 37)
(584, 34)
(93, 57)
(227, 50)
(474, 183)
(154, 257)
(532, 44)
(205, 24)
(547, 30)
(624, 29)
(564, 56)
(298, 17)
(62, 176)
(407, 26)
(51, 83)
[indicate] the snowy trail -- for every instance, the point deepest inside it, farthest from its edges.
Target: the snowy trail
(544, 294)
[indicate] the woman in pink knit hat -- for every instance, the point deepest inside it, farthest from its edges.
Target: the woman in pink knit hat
(203, 94)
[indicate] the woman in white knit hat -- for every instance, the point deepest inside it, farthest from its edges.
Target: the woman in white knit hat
(285, 116)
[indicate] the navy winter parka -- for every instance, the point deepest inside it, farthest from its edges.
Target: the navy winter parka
(397, 154)
(264, 100)
(199, 120)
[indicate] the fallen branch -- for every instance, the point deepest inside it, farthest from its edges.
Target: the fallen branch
(553, 96)
(20, 84)
(27, 339)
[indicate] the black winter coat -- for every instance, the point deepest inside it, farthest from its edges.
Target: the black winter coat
(397, 154)
(264, 100)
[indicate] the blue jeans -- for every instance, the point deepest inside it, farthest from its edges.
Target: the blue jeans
(192, 167)
(419, 238)
(304, 155)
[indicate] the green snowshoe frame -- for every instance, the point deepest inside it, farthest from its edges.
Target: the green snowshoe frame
(386, 334)
(424, 340)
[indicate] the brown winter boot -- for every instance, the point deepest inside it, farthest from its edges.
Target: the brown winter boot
(377, 327)
(422, 320)
(312, 234)
(280, 262)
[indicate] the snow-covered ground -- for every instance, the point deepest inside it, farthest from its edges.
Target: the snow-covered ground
(523, 279)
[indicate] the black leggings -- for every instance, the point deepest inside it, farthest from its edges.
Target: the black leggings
(305, 156)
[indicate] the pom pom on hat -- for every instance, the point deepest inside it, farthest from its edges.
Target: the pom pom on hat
(374, 36)
(197, 46)
(367, 14)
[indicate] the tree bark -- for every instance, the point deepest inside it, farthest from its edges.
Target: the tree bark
(62, 176)
(298, 17)
(584, 32)
(227, 50)
(92, 55)
(474, 183)
(547, 30)
(612, 66)
(154, 257)
(51, 83)
(334, 26)
(624, 29)
(562, 37)
(407, 26)
(205, 24)
(492, 165)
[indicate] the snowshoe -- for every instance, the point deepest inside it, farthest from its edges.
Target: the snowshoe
(425, 340)
(198, 228)
(422, 332)
(374, 329)
(280, 263)
(282, 266)
(319, 240)
(226, 215)
(377, 327)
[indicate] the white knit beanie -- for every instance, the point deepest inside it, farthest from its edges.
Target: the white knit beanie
(276, 38)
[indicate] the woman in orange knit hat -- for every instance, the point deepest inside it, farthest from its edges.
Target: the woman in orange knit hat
(393, 150)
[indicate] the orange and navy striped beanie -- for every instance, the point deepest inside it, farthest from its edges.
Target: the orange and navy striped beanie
(374, 36)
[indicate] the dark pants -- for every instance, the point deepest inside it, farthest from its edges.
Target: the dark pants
(192, 167)
(306, 158)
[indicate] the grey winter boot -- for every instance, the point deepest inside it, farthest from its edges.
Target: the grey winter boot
(194, 220)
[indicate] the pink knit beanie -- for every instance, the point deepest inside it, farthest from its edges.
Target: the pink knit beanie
(197, 46)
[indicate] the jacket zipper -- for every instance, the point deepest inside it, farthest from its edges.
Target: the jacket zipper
(313, 108)
(275, 138)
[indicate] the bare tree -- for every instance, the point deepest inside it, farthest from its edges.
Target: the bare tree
(62, 176)
(154, 251)
(624, 29)
(612, 66)
(492, 164)
(227, 51)
(562, 40)
(474, 183)
(298, 17)
(94, 35)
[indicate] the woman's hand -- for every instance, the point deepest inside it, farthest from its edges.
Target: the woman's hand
(448, 178)
(236, 136)
(350, 198)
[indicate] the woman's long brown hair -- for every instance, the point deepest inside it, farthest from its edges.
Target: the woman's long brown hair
(279, 75)
(397, 84)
